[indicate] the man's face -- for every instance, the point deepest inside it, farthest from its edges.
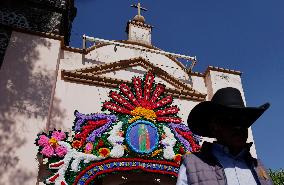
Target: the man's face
(231, 136)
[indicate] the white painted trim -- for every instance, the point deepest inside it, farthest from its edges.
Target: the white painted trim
(93, 39)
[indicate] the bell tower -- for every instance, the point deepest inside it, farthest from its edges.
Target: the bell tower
(137, 30)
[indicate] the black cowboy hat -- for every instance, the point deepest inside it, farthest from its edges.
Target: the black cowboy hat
(227, 107)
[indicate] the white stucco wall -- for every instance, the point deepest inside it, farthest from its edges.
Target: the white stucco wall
(198, 84)
(107, 54)
(220, 80)
(139, 34)
(27, 77)
(74, 96)
(185, 107)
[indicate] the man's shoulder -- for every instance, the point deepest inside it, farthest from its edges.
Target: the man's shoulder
(197, 162)
(198, 157)
(191, 157)
(194, 155)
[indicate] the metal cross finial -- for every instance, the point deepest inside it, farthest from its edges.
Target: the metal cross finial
(138, 6)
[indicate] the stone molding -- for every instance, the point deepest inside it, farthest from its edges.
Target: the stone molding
(93, 76)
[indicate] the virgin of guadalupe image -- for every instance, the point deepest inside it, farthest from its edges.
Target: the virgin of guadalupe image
(144, 140)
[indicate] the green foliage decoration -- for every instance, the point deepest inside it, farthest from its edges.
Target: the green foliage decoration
(277, 176)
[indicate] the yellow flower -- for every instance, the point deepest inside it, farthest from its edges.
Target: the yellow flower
(139, 112)
(53, 142)
(156, 152)
(134, 119)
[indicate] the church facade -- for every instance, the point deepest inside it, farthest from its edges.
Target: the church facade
(116, 110)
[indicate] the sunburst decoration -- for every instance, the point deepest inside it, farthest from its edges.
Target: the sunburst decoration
(144, 101)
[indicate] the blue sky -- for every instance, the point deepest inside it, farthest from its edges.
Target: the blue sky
(245, 35)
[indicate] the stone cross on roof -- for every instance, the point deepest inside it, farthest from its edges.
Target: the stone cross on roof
(138, 6)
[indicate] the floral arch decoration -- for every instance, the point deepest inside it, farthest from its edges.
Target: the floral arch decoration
(138, 130)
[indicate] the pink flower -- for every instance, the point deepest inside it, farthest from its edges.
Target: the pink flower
(48, 151)
(43, 140)
(51, 146)
(61, 151)
(88, 148)
(58, 135)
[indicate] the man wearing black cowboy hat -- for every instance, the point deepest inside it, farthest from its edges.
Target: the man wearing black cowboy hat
(226, 161)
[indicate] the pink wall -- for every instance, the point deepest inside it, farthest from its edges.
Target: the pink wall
(27, 77)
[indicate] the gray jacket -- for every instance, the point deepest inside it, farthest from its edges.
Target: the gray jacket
(202, 168)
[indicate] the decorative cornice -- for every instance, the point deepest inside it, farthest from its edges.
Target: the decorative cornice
(91, 79)
(138, 44)
(88, 50)
(138, 23)
(211, 68)
(92, 75)
(72, 49)
(156, 48)
(123, 64)
(196, 74)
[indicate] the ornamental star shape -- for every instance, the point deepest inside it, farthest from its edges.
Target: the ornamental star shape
(143, 101)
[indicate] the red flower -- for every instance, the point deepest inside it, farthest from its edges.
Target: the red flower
(104, 152)
(77, 144)
(100, 144)
(177, 158)
(181, 150)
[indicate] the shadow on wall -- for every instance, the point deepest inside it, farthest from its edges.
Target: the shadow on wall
(57, 115)
(25, 91)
